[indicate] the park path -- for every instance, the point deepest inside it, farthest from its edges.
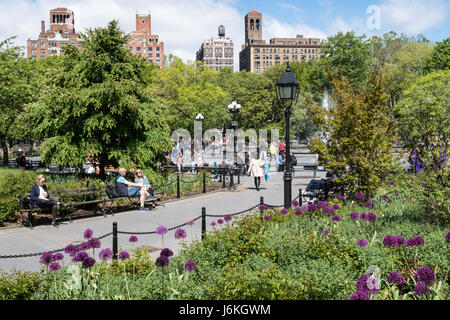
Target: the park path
(22, 241)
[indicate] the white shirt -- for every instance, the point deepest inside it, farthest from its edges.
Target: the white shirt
(42, 193)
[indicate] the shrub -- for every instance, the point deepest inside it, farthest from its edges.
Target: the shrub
(18, 285)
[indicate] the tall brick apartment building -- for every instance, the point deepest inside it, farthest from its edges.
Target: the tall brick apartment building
(257, 55)
(217, 53)
(142, 42)
(61, 32)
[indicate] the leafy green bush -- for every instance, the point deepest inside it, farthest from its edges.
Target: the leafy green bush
(18, 285)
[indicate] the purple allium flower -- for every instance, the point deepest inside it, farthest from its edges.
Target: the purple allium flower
(162, 261)
(284, 211)
(447, 237)
(84, 246)
(396, 278)
(392, 183)
(191, 222)
(367, 284)
(71, 250)
(161, 230)
(360, 295)
(420, 241)
(304, 207)
(360, 196)
(58, 256)
(46, 258)
(295, 203)
(411, 242)
(124, 256)
(390, 241)
(88, 233)
(312, 207)
(336, 218)
(80, 256)
(94, 243)
(325, 232)
(298, 212)
(220, 221)
(263, 207)
(88, 262)
(385, 197)
(363, 216)
(180, 233)
(395, 192)
(354, 215)
(372, 217)
(228, 218)
(190, 265)
(336, 206)
(133, 239)
(106, 254)
(322, 204)
(421, 289)
(213, 223)
(401, 241)
(166, 252)
(54, 266)
(362, 242)
(341, 197)
(267, 218)
(425, 275)
(369, 204)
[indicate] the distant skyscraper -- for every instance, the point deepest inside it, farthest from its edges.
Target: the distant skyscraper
(61, 32)
(217, 53)
(257, 55)
(142, 42)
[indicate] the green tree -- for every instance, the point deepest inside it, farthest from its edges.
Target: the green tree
(440, 59)
(97, 101)
(359, 130)
(16, 91)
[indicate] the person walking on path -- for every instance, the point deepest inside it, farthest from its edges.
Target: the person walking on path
(39, 198)
(256, 171)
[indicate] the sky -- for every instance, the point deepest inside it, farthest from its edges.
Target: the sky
(184, 24)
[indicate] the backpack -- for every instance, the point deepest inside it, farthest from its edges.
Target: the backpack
(111, 191)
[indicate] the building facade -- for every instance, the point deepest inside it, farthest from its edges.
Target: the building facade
(217, 53)
(61, 32)
(144, 43)
(257, 55)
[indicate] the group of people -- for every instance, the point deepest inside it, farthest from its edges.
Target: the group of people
(141, 187)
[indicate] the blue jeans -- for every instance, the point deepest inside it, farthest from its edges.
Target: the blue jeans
(134, 192)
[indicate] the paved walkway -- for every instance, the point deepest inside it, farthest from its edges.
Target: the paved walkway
(21, 240)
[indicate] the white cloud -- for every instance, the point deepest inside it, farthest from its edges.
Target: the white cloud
(413, 16)
(273, 28)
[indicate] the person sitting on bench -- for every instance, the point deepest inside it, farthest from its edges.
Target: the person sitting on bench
(139, 178)
(316, 184)
(40, 199)
(126, 188)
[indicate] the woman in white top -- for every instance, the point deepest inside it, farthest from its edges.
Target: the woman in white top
(255, 170)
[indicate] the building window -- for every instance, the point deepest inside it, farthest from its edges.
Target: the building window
(131, 48)
(157, 48)
(150, 48)
(150, 55)
(42, 44)
(42, 50)
(157, 55)
(33, 44)
(138, 48)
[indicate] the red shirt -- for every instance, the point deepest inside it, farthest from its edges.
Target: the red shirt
(280, 146)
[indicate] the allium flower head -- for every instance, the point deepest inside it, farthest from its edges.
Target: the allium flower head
(420, 241)
(372, 217)
(360, 295)
(304, 207)
(88, 262)
(71, 250)
(385, 197)
(88, 233)
(284, 211)
(390, 241)
(341, 197)
(363, 216)
(54, 266)
(325, 232)
(367, 284)
(401, 241)
(80, 256)
(106, 254)
(267, 218)
(124, 256)
(395, 192)
(336, 206)
(161, 230)
(392, 183)
(322, 204)
(133, 239)
(220, 221)
(369, 204)
(162, 261)
(421, 289)
(396, 278)
(213, 223)
(166, 252)
(46, 258)
(298, 212)
(362, 242)
(425, 275)
(360, 196)
(94, 243)
(228, 218)
(447, 237)
(58, 256)
(180, 233)
(191, 222)
(295, 203)
(190, 265)
(336, 218)
(312, 207)
(354, 215)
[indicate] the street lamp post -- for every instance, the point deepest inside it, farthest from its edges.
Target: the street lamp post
(287, 94)
(234, 108)
(200, 119)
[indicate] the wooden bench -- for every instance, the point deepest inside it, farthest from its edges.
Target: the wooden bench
(329, 188)
(109, 202)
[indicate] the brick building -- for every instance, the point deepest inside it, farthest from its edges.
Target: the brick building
(257, 55)
(217, 53)
(61, 32)
(142, 42)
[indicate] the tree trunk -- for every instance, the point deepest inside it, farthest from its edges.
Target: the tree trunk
(5, 150)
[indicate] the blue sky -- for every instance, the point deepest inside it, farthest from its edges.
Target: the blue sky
(184, 24)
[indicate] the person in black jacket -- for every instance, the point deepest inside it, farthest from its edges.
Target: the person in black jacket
(40, 199)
